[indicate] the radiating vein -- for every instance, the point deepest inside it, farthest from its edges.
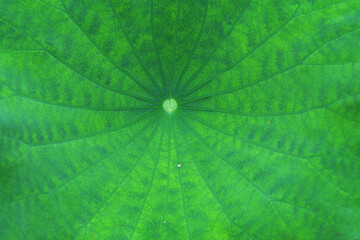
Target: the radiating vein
(172, 74)
(156, 47)
(180, 183)
(257, 46)
(262, 193)
(320, 9)
(93, 134)
(234, 89)
(168, 176)
(73, 68)
(49, 5)
(136, 54)
(206, 183)
(55, 190)
(13, 139)
(202, 66)
(305, 209)
(270, 149)
(146, 126)
(126, 176)
(245, 114)
(100, 109)
(70, 106)
(87, 35)
(187, 64)
(340, 115)
(150, 185)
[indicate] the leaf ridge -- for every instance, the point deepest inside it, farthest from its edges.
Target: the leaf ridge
(150, 185)
(271, 149)
(257, 46)
(105, 55)
(55, 190)
(181, 185)
(215, 49)
(194, 48)
(156, 49)
(73, 68)
(136, 54)
(207, 185)
(127, 175)
(266, 196)
(70, 106)
(95, 133)
(230, 90)
(178, 3)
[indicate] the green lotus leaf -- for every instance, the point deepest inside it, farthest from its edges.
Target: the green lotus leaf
(180, 119)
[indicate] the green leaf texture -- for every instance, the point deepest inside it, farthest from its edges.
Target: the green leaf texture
(260, 141)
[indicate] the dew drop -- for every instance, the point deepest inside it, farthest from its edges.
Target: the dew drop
(179, 165)
(165, 222)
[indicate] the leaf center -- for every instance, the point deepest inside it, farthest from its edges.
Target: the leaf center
(170, 105)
